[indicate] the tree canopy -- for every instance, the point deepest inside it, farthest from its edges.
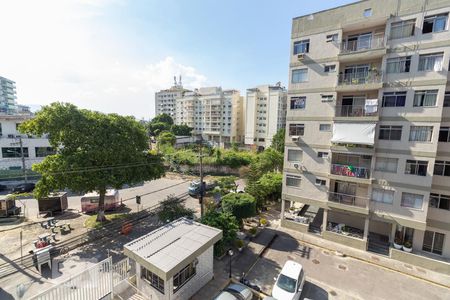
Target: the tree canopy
(167, 138)
(241, 205)
(227, 223)
(268, 187)
(181, 130)
(267, 161)
(95, 151)
(172, 208)
(278, 140)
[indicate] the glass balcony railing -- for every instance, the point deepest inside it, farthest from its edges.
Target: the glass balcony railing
(350, 171)
(346, 199)
(362, 44)
(355, 111)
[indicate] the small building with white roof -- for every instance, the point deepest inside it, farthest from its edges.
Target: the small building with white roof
(174, 261)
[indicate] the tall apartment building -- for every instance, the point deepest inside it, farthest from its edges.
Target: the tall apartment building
(7, 96)
(165, 100)
(214, 113)
(367, 160)
(265, 113)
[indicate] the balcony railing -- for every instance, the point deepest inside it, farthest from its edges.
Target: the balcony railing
(355, 111)
(350, 171)
(362, 44)
(348, 199)
(360, 78)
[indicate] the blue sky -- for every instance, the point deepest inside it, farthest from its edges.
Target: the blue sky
(112, 55)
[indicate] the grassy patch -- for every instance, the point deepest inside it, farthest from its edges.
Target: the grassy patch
(91, 222)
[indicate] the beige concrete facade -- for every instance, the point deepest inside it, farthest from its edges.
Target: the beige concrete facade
(165, 100)
(265, 114)
(216, 114)
(380, 69)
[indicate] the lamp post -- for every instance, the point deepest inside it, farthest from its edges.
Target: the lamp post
(230, 253)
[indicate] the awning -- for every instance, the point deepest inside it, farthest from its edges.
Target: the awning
(354, 133)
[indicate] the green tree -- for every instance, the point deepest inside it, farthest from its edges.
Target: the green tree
(160, 123)
(172, 208)
(227, 184)
(235, 146)
(166, 138)
(267, 161)
(241, 205)
(267, 188)
(95, 151)
(162, 118)
(182, 130)
(278, 140)
(227, 223)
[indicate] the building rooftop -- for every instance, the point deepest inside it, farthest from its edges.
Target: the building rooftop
(168, 249)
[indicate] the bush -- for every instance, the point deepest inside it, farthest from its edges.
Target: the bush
(239, 243)
(172, 208)
(227, 223)
(241, 205)
(263, 222)
(253, 230)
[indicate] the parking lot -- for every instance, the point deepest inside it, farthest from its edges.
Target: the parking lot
(331, 276)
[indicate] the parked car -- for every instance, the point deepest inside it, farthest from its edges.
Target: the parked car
(290, 281)
(235, 291)
(194, 187)
(24, 188)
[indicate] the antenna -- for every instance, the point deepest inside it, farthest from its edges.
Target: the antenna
(175, 80)
(179, 82)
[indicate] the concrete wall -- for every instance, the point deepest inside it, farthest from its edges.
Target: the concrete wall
(346, 240)
(294, 225)
(421, 261)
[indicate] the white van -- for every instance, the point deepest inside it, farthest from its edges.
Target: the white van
(290, 281)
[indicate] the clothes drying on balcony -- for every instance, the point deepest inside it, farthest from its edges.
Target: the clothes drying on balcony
(349, 171)
(354, 133)
(371, 106)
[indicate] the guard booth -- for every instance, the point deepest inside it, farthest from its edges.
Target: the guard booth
(54, 203)
(8, 208)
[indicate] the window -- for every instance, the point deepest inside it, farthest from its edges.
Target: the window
(296, 129)
(420, 133)
(425, 98)
(299, 75)
(183, 276)
(322, 154)
(441, 168)
(293, 180)
(440, 201)
(447, 99)
(385, 164)
(329, 68)
(320, 181)
(435, 23)
(416, 167)
(44, 151)
(154, 280)
(298, 102)
(402, 29)
(412, 200)
(383, 196)
(394, 99)
(329, 98)
(325, 127)
(444, 134)
(10, 152)
(398, 64)
(390, 132)
(301, 47)
(431, 62)
(294, 155)
(332, 38)
(433, 242)
(367, 12)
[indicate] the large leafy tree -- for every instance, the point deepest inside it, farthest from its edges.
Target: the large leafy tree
(182, 130)
(227, 223)
(173, 208)
(95, 151)
(240, 205)
(267, 161)
(167, 138)
(268, 187)
(160, 123)
(278, 140)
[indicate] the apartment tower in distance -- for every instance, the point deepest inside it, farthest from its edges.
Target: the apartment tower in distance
(214, 113)
(165, 100)
(265, 113)
(367, 160)
(7, 96)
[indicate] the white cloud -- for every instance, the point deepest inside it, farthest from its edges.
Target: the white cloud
(59, 51)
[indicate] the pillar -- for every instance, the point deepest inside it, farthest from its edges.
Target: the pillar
(366, 228)
(325, 219)
(393, 230)
(282, 209)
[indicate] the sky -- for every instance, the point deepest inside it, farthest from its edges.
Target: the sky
(113, 55)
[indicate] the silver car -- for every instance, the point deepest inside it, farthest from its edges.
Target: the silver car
(235, 292)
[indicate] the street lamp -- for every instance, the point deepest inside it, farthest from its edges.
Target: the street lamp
(230, 253)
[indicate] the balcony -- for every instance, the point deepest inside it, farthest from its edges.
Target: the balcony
(350, 171)
(363, 47)
(356, 111)
(349, 202)
(360, 81)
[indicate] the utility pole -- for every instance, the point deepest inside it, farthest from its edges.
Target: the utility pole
(23, 160)
(201, 176)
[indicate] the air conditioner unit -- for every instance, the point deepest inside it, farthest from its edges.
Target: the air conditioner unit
(296, 165)
(295, 138)
(301, 56)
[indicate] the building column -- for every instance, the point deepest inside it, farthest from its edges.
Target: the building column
(325, 219)
(366, 228)
(282, 209)
(393, 231)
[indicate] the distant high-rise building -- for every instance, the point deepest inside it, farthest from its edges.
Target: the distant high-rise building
(265, 114)
(216, 114)
(165, 100)
(7, 96)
